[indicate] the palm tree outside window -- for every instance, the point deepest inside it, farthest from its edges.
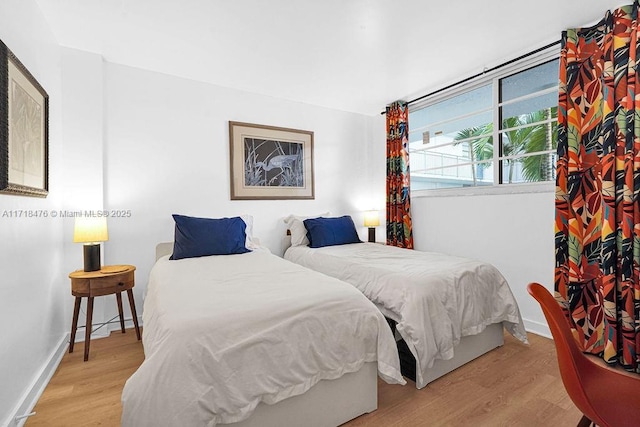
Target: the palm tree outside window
(500, 130)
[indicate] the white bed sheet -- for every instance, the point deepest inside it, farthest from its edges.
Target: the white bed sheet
(224, 333)
(435, 298)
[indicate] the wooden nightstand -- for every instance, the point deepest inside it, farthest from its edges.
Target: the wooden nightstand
(111, 279)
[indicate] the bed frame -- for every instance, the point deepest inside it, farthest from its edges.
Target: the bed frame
(469, 348)
(328, 403)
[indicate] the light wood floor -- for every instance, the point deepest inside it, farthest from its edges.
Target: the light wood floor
(514, 385)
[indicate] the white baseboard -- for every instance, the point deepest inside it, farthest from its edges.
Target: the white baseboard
(31, 396)
(537, 328)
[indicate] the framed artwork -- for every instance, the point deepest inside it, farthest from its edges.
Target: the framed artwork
(269, 162)
(24, 130)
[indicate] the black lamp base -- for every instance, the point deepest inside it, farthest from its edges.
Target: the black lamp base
(92, 257)
(372, 235)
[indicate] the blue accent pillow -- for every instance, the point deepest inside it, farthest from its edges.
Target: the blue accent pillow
(196, 237)
(331, 231)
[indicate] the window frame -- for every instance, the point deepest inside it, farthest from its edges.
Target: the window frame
(493, 77)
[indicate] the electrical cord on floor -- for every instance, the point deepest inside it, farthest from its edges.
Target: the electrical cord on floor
(101, 325)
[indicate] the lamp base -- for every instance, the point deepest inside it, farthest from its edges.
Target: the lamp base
(372, 235)
(92, 257)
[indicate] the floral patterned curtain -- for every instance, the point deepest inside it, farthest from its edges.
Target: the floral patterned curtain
(399, 230)
(597, 228)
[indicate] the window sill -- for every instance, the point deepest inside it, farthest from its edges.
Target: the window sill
(537, 187)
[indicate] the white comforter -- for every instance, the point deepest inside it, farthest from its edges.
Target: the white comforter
(224, 333)
(435, 298)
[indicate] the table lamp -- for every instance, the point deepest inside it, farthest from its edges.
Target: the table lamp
(91, 231)
(372, 220)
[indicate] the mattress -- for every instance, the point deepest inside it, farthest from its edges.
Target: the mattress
(435, 298)
(224, 333)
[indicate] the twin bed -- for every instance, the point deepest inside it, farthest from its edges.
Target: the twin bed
(248, 338)
(446, 310)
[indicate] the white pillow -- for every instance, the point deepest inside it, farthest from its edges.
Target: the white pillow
(250, 242)
(297, 229)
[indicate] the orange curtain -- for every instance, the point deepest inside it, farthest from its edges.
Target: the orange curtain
(597, 227)
(399, 230)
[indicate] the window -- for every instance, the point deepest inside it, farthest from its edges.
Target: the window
(502, 129)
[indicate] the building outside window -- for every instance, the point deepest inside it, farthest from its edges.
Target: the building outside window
(501, 129)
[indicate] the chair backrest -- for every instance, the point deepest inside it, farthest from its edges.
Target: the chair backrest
(573, 364)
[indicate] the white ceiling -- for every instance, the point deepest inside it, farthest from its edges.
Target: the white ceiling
(352, 55)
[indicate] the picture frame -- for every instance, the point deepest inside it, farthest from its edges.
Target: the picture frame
(24, 129)
(270, 163)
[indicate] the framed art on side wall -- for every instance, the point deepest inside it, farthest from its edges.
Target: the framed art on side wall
(24, 133)
(269, 162)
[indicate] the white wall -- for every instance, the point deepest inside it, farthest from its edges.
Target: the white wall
(167, 151)
(82, 165)
(514, 232)
(32, 282)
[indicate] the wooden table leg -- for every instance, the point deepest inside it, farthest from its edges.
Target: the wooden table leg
(87, 333)
(119, 299)
(74, 323)
(132, 304)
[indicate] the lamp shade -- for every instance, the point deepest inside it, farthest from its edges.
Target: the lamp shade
(371, 219)
(90, 230)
